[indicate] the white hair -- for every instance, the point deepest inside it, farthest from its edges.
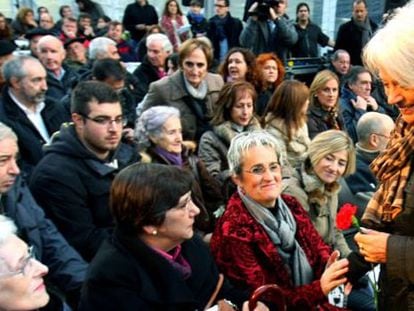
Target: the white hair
(165, 42)
(98, 47)
(7, 228)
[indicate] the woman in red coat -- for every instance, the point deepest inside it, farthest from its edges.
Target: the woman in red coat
(264, 237)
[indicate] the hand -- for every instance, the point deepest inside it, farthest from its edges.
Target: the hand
(88, 31)
(333, 275)
(128, 134)
(372, 102)
(260, 306)
(360, 103)
(273, 14)
(373, 245)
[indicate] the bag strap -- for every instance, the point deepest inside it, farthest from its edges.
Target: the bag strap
(216, 291)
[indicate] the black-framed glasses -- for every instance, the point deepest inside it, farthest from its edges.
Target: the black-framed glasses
(261, 169)
(25, 266)
(107, 121)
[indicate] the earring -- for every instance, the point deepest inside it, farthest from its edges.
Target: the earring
(154, 232)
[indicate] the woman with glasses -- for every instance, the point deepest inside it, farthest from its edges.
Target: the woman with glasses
(265, 237)
(154, 260)
(21, 275)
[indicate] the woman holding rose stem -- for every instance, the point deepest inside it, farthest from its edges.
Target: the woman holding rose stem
(389, 214)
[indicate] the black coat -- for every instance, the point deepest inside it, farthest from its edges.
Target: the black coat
(72, 185)
(319, 121)
(135, 14)
(30, 141)
(126, 274)
(308, 40)
(145, 74)
(57, 89)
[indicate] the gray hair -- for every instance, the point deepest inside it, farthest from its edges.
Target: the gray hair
(243, 142)
(391, 48)
(6, 132)
(150, 124)
(353, 75)
(370, 123)
(98, 47)
(15, 67)
(7, 228)
(337, 53)
(160, 37)
(49, 38)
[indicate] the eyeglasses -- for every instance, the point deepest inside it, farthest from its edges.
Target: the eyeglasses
(26, 265)
(261, 169)
(107, 121)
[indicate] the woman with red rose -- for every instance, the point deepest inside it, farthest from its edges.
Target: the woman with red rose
(265, 237)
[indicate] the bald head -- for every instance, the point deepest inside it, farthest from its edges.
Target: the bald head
(51, 54)
(374, 130)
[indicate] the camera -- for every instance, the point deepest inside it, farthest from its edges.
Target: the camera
(262, 10)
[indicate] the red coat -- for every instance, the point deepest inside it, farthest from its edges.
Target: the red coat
(246, 255)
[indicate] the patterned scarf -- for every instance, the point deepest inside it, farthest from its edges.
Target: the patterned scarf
(392, 168)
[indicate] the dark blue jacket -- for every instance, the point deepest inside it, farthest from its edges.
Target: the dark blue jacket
(56, 89)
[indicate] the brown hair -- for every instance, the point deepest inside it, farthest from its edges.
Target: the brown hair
(167, 13)
(190, 45)
(249, 58)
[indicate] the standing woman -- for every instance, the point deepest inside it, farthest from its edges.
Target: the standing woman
(324, 113)
(270, 72)
(234, 113)
(285, 119)
(238, 65)
(175, 24)
(389, 214)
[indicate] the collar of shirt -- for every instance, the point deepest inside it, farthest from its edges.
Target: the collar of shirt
(38, 108)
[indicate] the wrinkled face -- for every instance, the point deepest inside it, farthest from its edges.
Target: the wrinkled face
(46, 21)
(51, 54)
(101, 131)
(77, 52)
(362, 87)
(398, 95)
(195, 67)
(8, 166)
(32, 88)
(70, 28)
(328, 94)
(221, 8)
(237, 67)
(115, 32)
(359, 12)
(172, 7)
(112, 52)
(179, 220)
(270, 72)
(242, 111)
(332, 166)
(156, 54)
(171, 138)
(342, 64)
(261, 177)
(25, 289)
(303, 13)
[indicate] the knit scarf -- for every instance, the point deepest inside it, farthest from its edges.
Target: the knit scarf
(365, 27)
(281, 229)
(227, 130)
(392, 169)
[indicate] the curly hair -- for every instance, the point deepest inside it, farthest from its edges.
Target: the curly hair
(260, 63)
(249, 58)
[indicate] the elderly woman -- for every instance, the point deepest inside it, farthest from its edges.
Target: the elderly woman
(21, 275)
(154, 261)
(389, 213)
(324, 113)
(265, 237)
(159, 139)
(234, 114)
(192, 89)
(238, 65)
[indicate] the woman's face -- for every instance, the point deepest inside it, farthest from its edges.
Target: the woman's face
(332, 166)
(403, 97)
(172, 7)
(29, 18)
(2, 23)
(25, 290)
(171, 138)
(179, 220)
(328, 94)
(195, 67)
(270, 72)
(237, 67)
(261, 177)
(171, 68)
(242, 111)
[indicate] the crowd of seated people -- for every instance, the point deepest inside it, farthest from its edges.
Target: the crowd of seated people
(190, 179)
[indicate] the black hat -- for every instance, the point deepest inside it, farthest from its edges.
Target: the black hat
(70, 41)
(38, 32)
(7, 47)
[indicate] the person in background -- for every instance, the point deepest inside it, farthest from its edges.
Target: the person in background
(172, 65)
(6, 53)
(102, 25)
(69, 29)
(23, 22)
(238, 65)
(142, 45)
(46, 22)
(324, 112)
(197, 20)
(270, 72)
(85, 27)
(76, 53)
(64, 11)
(125, 50)
(340, 64)
(6, 32)
(175, 24)
(92, 8)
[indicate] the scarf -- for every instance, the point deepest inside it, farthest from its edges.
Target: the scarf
(392, 168)
(173, 158)
(366, 30)
(177, 260)
(227, 130)
(198, 93)
(281, 229)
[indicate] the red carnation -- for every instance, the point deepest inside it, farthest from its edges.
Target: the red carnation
(346, 216)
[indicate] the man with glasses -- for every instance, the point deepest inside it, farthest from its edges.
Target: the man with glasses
(223, 30)
(73, 180)
(66, 268)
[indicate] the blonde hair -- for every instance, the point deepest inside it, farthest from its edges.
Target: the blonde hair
(319, 82)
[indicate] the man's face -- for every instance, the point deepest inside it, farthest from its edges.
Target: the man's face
(362, 87)
(67, 12)
(32, 88)
(359, 12)
(46, 21)
(281, 8)
(69, 28)
(112, 53)
(342, 64)
(221, 8)
(77, 52)
(33, 44)
(51, 54)
(156, 54)
(85, 22)
(8, 166)
(115, 32)
(97, 136)
(303, 13)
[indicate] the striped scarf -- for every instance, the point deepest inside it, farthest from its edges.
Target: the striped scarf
(392, 168)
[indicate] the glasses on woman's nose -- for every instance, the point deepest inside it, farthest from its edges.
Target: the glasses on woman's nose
(25, 267)
(261, 169)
